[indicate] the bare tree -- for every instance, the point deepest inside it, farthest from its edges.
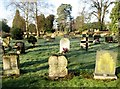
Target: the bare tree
(99, 9)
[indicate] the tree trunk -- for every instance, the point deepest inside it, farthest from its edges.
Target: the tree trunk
(26, 13)
(36, 15)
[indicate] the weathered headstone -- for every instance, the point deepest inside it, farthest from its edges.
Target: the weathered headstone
(105, 65)
(11, 64)
(64, 45)
(57, 66)
(6, 43)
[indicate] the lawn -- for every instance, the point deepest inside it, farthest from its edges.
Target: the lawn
(81, 65)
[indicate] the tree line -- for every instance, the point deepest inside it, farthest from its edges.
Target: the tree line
(65, 21)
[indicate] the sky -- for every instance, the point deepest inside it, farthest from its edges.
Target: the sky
(76, 9)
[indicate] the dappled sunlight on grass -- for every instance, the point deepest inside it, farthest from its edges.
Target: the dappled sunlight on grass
(81, 64)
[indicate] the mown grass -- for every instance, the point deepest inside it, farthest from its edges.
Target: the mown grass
(81, 65)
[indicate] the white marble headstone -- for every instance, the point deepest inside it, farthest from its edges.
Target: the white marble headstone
(64, 43)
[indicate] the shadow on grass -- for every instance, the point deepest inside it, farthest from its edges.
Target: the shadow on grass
(34, 70)
(27, 64)
(39, 50)
(117, 70)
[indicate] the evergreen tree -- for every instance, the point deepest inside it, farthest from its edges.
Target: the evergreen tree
(115, 20)
(41, 23)
(5, 27)
(114, 17)
(19, 22)
(49, 23)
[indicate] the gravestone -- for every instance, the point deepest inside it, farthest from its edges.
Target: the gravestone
(85, 41)
(6, 43)
(96, 39)
(105, 65)
(64, 45)
(11, 64)
(20, 47)
(57, 66)
(109, 39)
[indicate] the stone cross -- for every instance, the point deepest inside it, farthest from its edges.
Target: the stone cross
(11, 64)
(105, 65)
(64, 45)
(86, 41)
(57, 66)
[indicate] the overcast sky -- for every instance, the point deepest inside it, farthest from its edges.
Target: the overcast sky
(76, 8)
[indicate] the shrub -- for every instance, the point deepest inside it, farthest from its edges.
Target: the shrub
(32, 40)
(17, 33)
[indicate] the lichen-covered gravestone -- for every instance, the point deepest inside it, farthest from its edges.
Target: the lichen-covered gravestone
(64, 45)
(57, 66)
(105, 65)
(11, 64)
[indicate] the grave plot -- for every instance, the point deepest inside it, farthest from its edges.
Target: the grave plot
(11, 64)
(105, 65)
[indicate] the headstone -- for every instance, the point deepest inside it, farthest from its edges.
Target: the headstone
(85, 41)
(64, 45)
(11, 64)
(20, 47)
(109, 39)
(105, 65)
(96, 39)
(57, 66)
(6, 43)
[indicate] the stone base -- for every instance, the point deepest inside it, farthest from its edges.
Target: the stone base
(11, 72)
(104, 76)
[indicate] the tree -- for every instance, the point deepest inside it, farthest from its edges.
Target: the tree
(41, 23)
(64, 16)
(30, 10)
(5, 27)
(115, 20)
(32, 28)
(17, 33)
(49, 23)
(19, 22)
(100, 9)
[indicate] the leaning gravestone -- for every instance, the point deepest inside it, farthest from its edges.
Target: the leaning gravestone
(11, 64)
(105, 65)
(57, 66)
(64, 45)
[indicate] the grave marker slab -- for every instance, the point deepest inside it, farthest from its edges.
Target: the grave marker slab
(105, 65)
(64, 45)
(11, 64)
(57, 66)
